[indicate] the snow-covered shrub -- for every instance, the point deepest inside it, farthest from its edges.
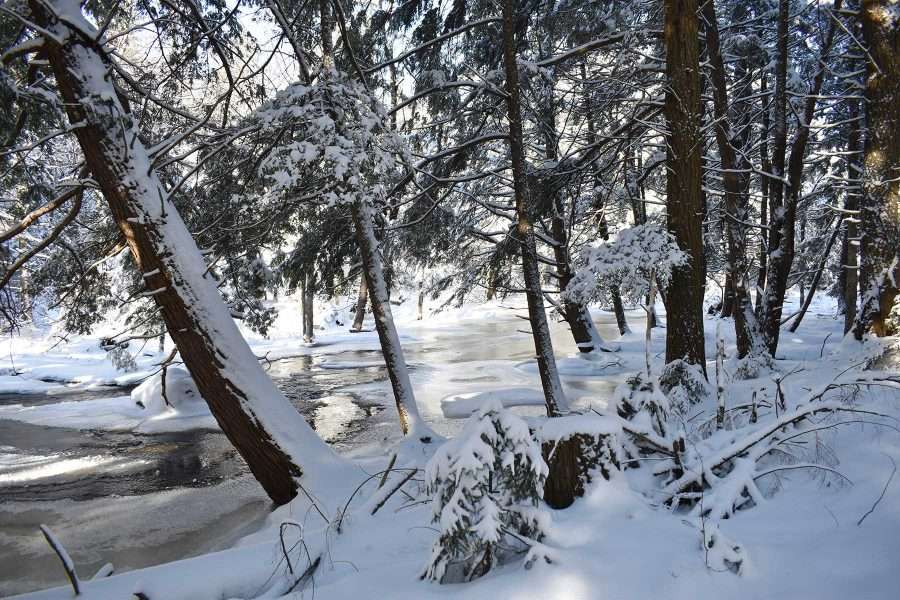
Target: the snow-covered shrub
(640, 400)
(486, 485)
(683, 384)
(631, 261)
(756, 363)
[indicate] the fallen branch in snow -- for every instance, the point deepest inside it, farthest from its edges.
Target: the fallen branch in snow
(307, 574)
(693, 477)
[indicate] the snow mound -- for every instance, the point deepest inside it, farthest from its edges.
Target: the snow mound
(460, 406)
(181, 391)
(182, 407)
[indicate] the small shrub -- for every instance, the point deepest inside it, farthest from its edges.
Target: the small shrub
(486, 486)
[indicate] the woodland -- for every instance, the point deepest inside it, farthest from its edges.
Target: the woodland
(402, 299)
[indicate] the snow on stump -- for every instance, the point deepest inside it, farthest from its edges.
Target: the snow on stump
(576, 448)
(486, 486)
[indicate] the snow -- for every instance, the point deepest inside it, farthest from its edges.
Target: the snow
(144, 411)
(619, 541)
(460, 406)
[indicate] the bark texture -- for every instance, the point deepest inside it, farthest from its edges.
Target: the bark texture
(881, 182)
(684, 298)
(362, 300)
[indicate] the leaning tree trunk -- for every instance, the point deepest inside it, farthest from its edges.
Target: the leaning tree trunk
(881, 207)
(599, 204)
(684, 300)
(553, 392)
(576, 314)
(266, 430)
(410, 421)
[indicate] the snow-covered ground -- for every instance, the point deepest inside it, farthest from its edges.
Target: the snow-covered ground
(812, 537)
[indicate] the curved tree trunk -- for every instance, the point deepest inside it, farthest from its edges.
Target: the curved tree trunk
(266, 430)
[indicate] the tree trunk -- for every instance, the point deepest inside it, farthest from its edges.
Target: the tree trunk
(361, 300)
(784, 209)
(764, 200)
(421, 303)
(684, 300)
(805, 302)
(598, 203)
(266, 430)
(410, 421)
(553, 393)
(619, 310)
(737, 302)
(849, 275)
(308, 304)
(881, 209)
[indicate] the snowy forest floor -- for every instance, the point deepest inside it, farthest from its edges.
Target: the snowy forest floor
(811, 537)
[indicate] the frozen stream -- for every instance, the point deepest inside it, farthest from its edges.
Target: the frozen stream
(138, 500)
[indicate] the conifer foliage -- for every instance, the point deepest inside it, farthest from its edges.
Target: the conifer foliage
(486, 486)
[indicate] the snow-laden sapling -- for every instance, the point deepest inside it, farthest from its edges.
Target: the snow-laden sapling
(119, 355)
(641, 401)
(684, 384)
(486, 485)
(634, 261)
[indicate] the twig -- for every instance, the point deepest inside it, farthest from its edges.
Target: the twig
(393, 491)
(340, 522)
(825, 341)
(307, 573)
(64, 558)
(883, 491)
(387, 471)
